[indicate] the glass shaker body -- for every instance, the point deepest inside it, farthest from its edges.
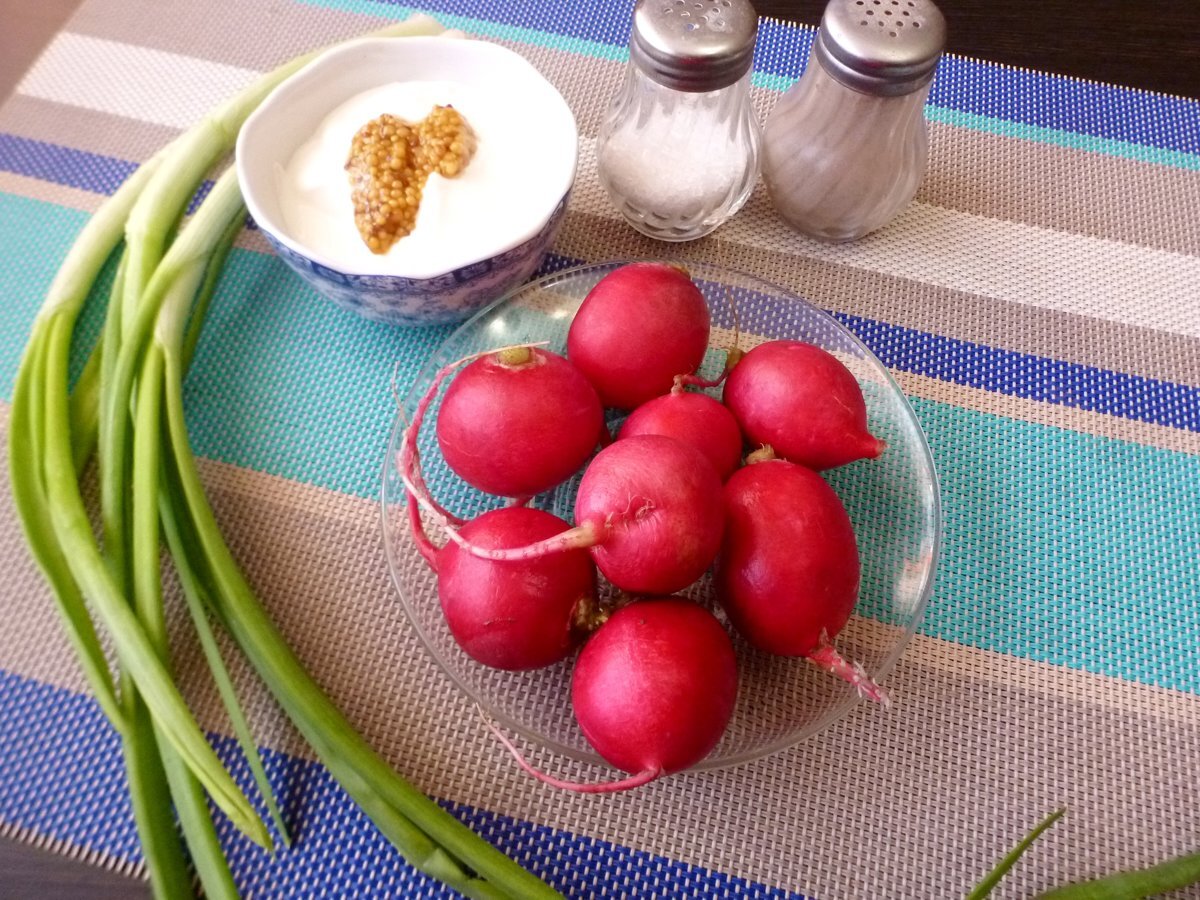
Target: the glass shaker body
(677, 164)
(845, 148)
(839, 163)
(678, 152)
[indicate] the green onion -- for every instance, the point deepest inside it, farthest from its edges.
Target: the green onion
(128, 403)
(103, 588)
(1170, 875)
(1134, 884)
(985, 887)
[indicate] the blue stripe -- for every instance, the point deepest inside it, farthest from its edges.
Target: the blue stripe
(1066, 104)
(61, 776)
(73, 168)
(964, 85)
(1030, 377)
(995, 369)
(63, 165)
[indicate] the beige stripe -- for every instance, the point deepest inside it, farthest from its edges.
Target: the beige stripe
(83, 129)
(1057, 187)
(902, 301)
(916, 802)
(248, 35)
(1051, 414)
(71, 850)
(49, 192)
(988, 666)
(1021, 264)
(1045, 333)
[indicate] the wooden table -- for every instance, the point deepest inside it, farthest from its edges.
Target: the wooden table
(1151, 45)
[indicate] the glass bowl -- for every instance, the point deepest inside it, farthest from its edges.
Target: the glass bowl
(892, 502)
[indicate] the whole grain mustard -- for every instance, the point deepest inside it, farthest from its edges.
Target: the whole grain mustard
(390, 161)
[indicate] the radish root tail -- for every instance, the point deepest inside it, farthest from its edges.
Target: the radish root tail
(827, 658)
(605, 787)
(578, 538)
(424, 546)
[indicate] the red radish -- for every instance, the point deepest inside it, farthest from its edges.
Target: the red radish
(516, 615)
(695, 419)
(519, 421)
(788, 575)
(657, 503)
(639, 327)
(801, 401)
(650, 509)
(653, 691)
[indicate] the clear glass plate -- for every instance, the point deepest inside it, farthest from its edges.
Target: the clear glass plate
(892, 501)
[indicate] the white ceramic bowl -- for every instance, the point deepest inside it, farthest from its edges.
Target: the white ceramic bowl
(413, 292)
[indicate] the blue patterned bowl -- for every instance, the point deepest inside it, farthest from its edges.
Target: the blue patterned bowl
(387, 292)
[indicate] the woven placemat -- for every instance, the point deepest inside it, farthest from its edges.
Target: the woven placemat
(1037, 303)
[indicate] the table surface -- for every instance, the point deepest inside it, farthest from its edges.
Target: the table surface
(1149, 45)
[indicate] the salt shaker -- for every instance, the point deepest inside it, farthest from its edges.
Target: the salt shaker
(845, 148)
(678, 152)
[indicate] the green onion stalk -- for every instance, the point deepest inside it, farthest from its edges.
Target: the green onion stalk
(1131, 884)
(127, 409)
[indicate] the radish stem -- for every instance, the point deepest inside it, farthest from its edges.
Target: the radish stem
(604, 787)
(827, 658)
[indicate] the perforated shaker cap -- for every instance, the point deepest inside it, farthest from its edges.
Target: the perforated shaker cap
(881, 47)
(693, 45)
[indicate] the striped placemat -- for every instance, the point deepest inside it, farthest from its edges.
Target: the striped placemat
(1039, 303)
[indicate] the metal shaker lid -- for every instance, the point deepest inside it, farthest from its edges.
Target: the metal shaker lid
(693, 45)
(881, 47)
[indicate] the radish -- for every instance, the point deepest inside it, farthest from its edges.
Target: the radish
(788, 574)
(653, 691)
(655, 505)
(516, 615)
(639, 327)
(695, 419)
(802, 402)
(518, 422)
(649, 507)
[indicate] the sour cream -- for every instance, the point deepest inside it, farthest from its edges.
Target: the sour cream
(460, 220)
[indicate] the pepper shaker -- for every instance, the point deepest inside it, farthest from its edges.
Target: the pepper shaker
(845, 148)
(678, 152)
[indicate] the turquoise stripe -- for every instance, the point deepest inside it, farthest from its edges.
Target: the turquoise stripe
(1060, 547)
(771, 81)
(35, 237)
(1059, 138)
(285, 382)
(1067, 548)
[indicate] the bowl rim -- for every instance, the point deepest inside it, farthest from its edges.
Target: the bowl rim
(839, 711)
(296, 82)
